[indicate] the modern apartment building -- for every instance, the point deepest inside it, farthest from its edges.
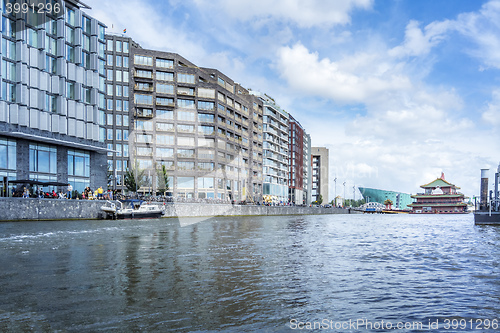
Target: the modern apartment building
(198, 123)
(319, 160)
(299, 157)
(276, 150)
(52, 96)
(119, 99)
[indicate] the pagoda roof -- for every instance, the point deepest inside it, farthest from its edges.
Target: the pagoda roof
(439, 182)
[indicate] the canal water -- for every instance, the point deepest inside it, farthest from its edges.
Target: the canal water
(343, 273)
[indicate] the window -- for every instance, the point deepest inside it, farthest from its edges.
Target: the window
(206, 92)
(143, 60)
(119, 76)
(164, 101)
(125, 132)
(110, 104)
(125, 47)
(164, 63)
(70, 53)
(125, 61)
(185, 141)
(144, 138)
(143, 73)
(185, 103)
(109, 75)
(164, 114)
(185, 91)
(206, 166)
(164, 76)
(185, 128)
(78, 163)
(205, 117)
(8, 27)
(221, 81)
(144, 151)
(118, 135)
(164, 88)
(144, 125)
(143, 99)
(164, 152)
(185, 182)
(204, 142)
(118, 46)
(186, 115)
(110, 89)
(118, 105)
(187, 153)
(43, 158)
(109, 60)
(185, 166)
(206, 154)
(210, 106)
(109, 134)
(206, 130)
(118, 61)
(70, 90)
(185, 78)
(87, 25)
(119, 90)
(70, 16)
(8, 154)
(165, 139)
(109, 45)
(109, 120)
(165, 127)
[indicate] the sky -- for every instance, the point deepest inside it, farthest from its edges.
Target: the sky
(398, 91)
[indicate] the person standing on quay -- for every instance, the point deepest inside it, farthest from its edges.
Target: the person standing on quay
(70, 189)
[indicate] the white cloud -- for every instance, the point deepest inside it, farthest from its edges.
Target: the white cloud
(146, 24)
(303, 13)
(491, 114)
(483, 28)
(418, 42)
(356, 78)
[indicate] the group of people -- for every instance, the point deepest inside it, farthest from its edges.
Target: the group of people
(98, 194)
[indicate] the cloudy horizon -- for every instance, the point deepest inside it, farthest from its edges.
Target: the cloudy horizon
(398, 91)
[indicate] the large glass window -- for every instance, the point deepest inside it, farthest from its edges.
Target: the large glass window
(206, 92)
(43, 158)
(7, 154)
(165, 101)
(164, 63)
(205, 117)
(143, 99)
(185, 78)
(164, 76)
(202, 105)
(186, 115)
(185, 103)
(164, 88)
(164, 152)
(78, 163)
(165, 114)
(143, 60)
(185, 182)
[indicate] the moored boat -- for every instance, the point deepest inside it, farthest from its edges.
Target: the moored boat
(143, 210)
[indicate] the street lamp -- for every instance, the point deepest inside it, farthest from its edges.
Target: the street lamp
(343, 203)
(335, 197)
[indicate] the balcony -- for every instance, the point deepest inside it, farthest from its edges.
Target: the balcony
(143, 113)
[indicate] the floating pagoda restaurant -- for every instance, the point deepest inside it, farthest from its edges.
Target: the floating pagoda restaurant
(440, 197)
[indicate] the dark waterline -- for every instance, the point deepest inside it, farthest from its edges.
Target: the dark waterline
(246, 274)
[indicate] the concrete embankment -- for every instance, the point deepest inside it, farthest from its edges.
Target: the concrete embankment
(16, 209)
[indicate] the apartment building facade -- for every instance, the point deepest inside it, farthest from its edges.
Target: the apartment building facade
(204, 128)
(52, 97)
(276, 150)
(299, 157)
(320, 169)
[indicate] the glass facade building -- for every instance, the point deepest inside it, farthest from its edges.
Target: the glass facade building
(52, 91)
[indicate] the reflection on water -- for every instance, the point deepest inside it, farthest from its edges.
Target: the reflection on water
(246, 273)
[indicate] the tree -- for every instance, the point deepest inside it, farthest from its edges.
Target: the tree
(388, 203)
(163, 185)
(320, 199)
(132, 182)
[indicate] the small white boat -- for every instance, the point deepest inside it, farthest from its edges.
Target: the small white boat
(111, 211)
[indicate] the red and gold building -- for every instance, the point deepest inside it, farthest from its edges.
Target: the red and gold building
(440, 197)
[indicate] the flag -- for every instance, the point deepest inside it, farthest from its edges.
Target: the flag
(124, 31)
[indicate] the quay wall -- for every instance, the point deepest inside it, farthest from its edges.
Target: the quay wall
(15, 209)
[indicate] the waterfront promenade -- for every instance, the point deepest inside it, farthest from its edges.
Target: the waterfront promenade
(18, 209)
